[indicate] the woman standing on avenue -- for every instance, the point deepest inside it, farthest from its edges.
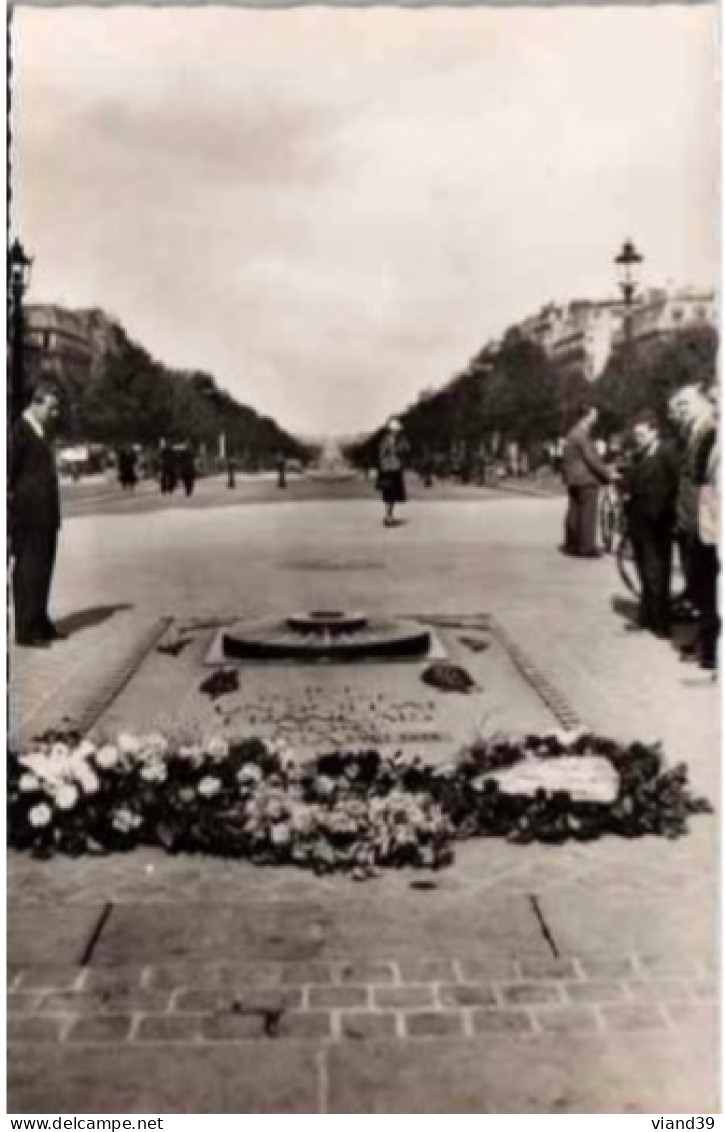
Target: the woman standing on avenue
(391, 482)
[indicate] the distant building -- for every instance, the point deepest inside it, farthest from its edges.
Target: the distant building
(581, 334)
(57, 341)
(586, 335)
(661, 311)
(578, 334)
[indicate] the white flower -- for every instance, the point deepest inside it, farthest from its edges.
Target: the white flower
(249, 773)
(128, 744)
(190, 751)
(567, 737)
(154, 772)
(59, 752)
(66, 797)
(27, 783)
(153, 746)
(87, 779)
(280, 834)
(124, 821)
(85, 750)
(40, 815)
(217, 747)
(209, 786)
(107, 756)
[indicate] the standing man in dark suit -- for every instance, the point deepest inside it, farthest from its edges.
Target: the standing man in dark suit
(651, 490)
(34, 517)
(584, 472)
(693, 411)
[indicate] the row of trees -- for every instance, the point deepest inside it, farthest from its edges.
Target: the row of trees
(516, 393)
(128, 397)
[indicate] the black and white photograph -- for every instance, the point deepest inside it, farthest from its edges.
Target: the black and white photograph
(363, 556)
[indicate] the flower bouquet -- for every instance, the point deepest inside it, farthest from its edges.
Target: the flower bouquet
(352, 810)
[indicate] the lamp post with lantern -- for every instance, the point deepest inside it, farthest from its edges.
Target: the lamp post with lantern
(19, 269)
(628, 262)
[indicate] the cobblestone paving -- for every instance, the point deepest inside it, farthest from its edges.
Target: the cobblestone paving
(347, 1001)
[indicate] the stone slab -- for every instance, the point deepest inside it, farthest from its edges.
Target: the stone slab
(597, 922)
(318, 707)
(269, 1078)
(69, 685)
(582, 1073)
(43, 935)
(139, 934)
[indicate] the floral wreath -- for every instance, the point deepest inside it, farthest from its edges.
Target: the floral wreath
(352, 810)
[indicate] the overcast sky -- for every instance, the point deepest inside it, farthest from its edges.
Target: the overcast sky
(333, 210)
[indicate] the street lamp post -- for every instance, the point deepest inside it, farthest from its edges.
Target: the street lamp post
(627, 263)
(19, 268)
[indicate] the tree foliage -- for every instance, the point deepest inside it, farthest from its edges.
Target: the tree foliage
(515, 393)
(647, 373)
(131, 398)
(518, 393)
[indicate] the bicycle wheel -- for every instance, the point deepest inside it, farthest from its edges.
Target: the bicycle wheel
(607, 523)
(626, 567)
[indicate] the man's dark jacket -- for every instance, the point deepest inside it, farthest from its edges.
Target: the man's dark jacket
(34, 496)
(651, 487)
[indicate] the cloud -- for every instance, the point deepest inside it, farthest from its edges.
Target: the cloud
(331, 210)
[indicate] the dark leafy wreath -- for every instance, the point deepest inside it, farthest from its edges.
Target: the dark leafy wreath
(351, 810)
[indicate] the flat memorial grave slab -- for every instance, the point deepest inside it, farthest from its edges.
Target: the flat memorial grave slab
(322, 706)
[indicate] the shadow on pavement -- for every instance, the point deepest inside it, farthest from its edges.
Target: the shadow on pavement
(87, 618)
(626, 607)
(682, 636)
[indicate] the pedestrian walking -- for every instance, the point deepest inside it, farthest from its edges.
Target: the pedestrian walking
(127, 476)
(167, 469)
(34, 517)
(391, 479)
(231, 472)
(187, 468)
(281, 470)
(651, 493)
(584, 472)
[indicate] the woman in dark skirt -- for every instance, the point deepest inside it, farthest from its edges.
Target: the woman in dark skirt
(391, 481)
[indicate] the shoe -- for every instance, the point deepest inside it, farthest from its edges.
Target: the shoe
(689, 650)
(591, 554)
(51, 632)
(32, 642)
(685, 614)
(709, 663)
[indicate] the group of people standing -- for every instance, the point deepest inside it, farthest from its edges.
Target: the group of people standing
(670, 492)
(176, 465)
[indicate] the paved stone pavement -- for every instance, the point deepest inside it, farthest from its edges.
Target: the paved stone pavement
(578, 978)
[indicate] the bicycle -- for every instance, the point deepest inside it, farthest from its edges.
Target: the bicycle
(616, 539)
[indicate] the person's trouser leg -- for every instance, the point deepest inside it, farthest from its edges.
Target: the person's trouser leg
(710, 620)
(644, 616)
(571, 523)
(655, 551)
(34, 552)
(588, 497)
(684, 546)
(46, 576)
